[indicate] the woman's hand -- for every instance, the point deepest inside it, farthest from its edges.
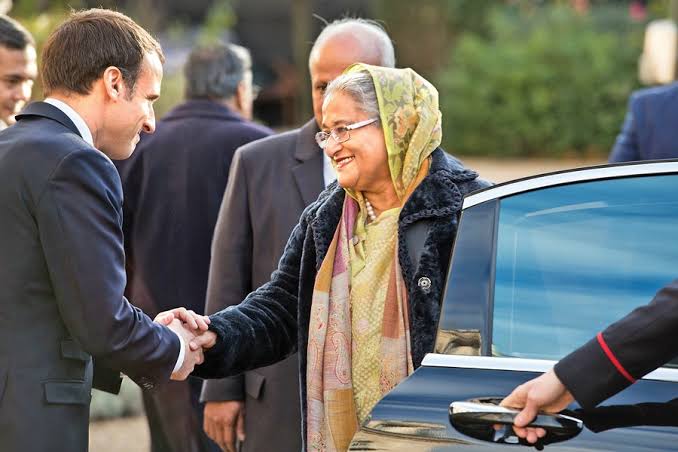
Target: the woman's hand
(192, 320)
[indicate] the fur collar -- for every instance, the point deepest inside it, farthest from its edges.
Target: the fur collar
(436, 196)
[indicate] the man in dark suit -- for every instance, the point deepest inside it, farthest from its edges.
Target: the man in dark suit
(613, 360)
(271, 182)
(18, 69)
(61, 254)
(649, 130)
(173, 187)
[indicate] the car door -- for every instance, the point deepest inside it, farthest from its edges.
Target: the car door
(538, 268)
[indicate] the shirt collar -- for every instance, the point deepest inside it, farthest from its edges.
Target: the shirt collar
(73, 115)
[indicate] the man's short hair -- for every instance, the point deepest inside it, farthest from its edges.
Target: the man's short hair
(214, 71)
(378, 36)
(78, 52)
(13, 35)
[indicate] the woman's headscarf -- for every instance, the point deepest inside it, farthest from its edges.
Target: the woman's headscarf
(410, 120)
(359, 344)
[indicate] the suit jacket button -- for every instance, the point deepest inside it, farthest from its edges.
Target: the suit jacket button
(424, 284)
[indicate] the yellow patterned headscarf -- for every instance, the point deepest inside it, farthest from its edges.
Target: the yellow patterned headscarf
(410, 119)
(359, 336)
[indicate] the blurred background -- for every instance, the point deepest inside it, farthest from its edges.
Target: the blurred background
(526, 86)
(533, 78)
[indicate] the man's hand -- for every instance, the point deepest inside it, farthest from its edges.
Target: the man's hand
(546, 393)
(193, 329)
(224, 421)
(193, 354)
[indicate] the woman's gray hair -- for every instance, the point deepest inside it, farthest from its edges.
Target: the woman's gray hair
(359, 87)
(214, 71)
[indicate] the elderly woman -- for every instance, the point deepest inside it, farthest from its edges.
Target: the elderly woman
(347, 294)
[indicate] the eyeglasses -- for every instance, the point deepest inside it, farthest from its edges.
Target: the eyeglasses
(341, 134)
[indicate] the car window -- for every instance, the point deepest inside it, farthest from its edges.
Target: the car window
(572, 259)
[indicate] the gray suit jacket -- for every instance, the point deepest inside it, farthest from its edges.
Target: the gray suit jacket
(62, 275)
(271, 181)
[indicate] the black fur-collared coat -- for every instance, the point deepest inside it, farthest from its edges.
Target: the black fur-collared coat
(272, 322)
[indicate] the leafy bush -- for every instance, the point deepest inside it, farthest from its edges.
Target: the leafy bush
(422, 31)
(543, 82)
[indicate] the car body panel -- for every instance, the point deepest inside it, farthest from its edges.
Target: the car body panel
(510, 243)
(414, 416)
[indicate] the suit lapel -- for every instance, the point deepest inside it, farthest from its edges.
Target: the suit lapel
(308, 174)
(48, 111)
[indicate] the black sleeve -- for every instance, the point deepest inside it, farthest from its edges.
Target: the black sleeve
(627, 350)
(261, 330)
(80, 218)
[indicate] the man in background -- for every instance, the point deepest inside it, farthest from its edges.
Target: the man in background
(173, 187)
(649, 130)
(271, 182)
(18, 69)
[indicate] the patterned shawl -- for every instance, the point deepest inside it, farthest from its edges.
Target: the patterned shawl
(359, 345)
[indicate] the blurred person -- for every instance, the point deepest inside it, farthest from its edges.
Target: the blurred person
(61, 251)
(18, 69)
(657, 62)
(173, 186)
(348, 293)
(649, 131)
(271, 182)
(626, 351)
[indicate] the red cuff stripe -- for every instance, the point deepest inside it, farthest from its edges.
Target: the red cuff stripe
(614, 359)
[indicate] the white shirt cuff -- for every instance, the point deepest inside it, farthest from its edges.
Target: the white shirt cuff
(182, 353)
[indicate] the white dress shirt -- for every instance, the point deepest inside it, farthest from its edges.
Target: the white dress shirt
(73, 115)
(86, 135)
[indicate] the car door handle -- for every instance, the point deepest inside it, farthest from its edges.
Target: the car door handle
(484, 413)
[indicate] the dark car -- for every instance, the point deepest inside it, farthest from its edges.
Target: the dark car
(539, 266)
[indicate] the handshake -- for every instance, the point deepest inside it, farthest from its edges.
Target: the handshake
(192, 329)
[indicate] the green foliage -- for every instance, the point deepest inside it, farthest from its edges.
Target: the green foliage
(544, 81)
(422, 31)
(220, 18)
(28, 8)
(457, 15)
